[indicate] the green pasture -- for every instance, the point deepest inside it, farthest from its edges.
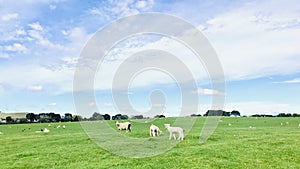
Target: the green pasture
(266, 144)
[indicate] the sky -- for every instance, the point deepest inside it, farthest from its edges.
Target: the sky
(257, 44)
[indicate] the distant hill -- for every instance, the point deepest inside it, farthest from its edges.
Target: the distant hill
(14, 115)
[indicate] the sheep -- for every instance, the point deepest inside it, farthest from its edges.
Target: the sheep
(229, 124)
(64, 126)
(58, 126)
(1, 133)
(154, 131)
(124, 126)
(299, 126)
(173, 130)
(46, 130)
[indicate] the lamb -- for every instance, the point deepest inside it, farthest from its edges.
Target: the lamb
(124, 126)
(154, 131)
(173, 130)
(46, 130)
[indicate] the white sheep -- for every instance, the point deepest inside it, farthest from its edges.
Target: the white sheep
(299, 126)
(1, 133)
(46, 130)
(154, 131)
(64, 126)
(124, 126)
(173, 130)
(58, 126)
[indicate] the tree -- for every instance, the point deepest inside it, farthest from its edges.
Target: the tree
(106, 117)
(214, 113)
(9, 119)
(77, 118)
(68, 117)
(124, 117)
(159, 116)
(235, 113)
(96, 116)
(138, 117)
(31, 117)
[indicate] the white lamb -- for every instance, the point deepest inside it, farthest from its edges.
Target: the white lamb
(46, 130)
(124, 126)
(154, 131)
(173, 130)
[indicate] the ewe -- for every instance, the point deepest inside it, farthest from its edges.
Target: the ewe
(154, 131)
(173, 130)
(124, 126)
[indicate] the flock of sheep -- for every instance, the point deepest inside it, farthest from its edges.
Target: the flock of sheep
(154, 130)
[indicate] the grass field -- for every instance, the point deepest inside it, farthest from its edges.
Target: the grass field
(268, 144)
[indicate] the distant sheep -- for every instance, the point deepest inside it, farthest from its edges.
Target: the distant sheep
(64, 126)
(46, 130)
(173, 130)
(1, 133)
(299, 126)
(124, 126)
(154, 131)
(58, 126)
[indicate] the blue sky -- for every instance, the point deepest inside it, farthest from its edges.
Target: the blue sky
(257, 44)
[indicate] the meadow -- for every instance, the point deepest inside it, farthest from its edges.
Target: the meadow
(266, 144)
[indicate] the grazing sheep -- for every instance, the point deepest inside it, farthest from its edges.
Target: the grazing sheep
(46, 130)
(58, 126)
(124, 126)
(173, 130)
(154, 131)
(299, 126)
(1, 133)
(64, 126)
(49, 125)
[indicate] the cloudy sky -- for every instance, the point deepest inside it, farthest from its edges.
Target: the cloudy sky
(257, 43)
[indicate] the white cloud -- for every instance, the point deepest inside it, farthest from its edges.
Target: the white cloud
(296, 80)
(59, 80)
(36, 26)
(208, 92)
(35, 88)
(256, 40)
(118, 9)
(52, 104)
(108, 104)
(4, 55)
(52, 7)
(10, 16)
(16, 47)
